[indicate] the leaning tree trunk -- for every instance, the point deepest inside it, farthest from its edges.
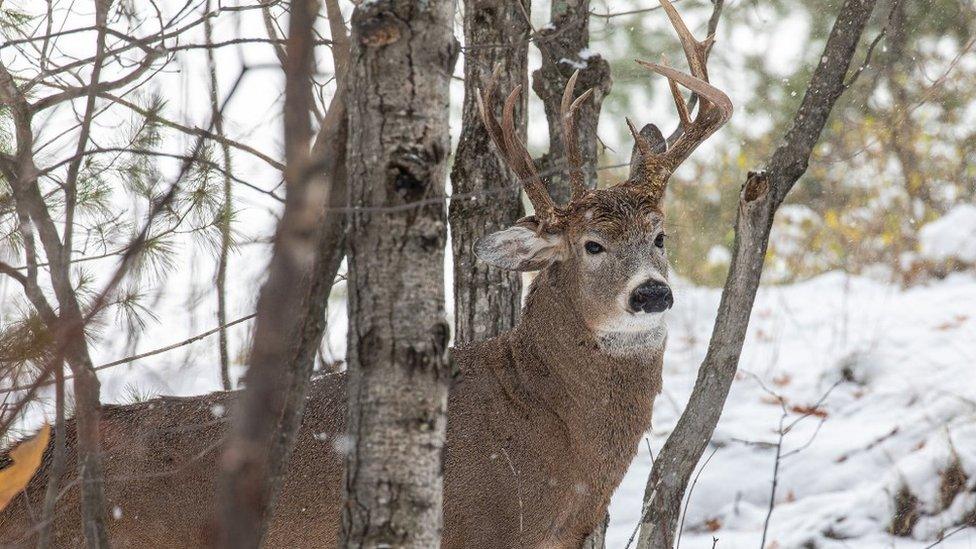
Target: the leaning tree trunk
(487, 301)
(402, 58)
(761, 195)
(564, 45)
(290, 313)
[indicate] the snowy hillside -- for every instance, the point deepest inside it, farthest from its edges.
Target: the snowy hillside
(896, 373)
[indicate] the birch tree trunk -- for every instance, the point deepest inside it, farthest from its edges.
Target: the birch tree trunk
(487, 301)
(403, 54)
(761, 196)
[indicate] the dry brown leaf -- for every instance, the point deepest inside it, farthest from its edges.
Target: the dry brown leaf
(26, 459)
(782, 380)
(808, 411)
(956, 322)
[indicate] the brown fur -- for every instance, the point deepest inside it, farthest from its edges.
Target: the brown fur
(542, 427)
(160, 467)
(542, 423)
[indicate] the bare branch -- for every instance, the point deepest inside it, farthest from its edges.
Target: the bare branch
(194, 131)
(220, 280)
(140, 356)
(80, 91)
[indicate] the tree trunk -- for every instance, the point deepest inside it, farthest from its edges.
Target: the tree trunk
(290, 309)
(564, 44)
(598, 538)
(487, 301)
(761, 195)
(403, 54)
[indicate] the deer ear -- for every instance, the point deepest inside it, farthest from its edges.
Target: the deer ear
(519, 247)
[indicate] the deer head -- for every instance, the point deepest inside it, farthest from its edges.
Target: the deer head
(605, 249)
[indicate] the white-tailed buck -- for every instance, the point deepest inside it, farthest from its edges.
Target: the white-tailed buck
(543, 420)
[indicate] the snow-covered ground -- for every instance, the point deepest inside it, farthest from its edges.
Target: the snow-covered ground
(896, 373)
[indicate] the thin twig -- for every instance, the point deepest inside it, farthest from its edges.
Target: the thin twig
(948, 535)
(874, 43)
(633, 534)
(684, 512)
(225, 214)
(775, 483)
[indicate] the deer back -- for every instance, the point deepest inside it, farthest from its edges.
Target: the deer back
(160, 466)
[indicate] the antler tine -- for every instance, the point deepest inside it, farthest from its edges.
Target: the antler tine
(695, 51)
(521, 161)
(714, 109)
(511, 148)
(485, 100)
(567, 113)
(679, 100)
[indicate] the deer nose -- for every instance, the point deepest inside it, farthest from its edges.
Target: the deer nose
(652, 296)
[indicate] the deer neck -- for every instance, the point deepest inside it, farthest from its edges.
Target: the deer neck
(556, 337)
(552, 320)
(564, 369)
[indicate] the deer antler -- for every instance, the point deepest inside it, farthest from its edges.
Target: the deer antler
(714, 110)
(512, 149)
(567, 113)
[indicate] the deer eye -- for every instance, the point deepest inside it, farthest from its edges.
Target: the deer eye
(659, 240)
(593, 248)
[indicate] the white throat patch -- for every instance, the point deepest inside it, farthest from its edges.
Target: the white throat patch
(630, 341)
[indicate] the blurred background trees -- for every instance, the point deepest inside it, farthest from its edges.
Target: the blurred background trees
(900, 153)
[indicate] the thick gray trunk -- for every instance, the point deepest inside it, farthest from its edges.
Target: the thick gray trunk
(487, 301)
(761, 195)
(403, 54)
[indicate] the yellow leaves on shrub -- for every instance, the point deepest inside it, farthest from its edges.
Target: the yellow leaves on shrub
(26, 459)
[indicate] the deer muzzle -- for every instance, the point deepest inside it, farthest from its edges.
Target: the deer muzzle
(652, 296)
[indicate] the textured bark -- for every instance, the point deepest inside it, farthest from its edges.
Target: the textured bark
(402, 58)
(487, 301)
(761, 195)
(564, 45)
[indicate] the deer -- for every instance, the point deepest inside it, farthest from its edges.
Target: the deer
(543, 420)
